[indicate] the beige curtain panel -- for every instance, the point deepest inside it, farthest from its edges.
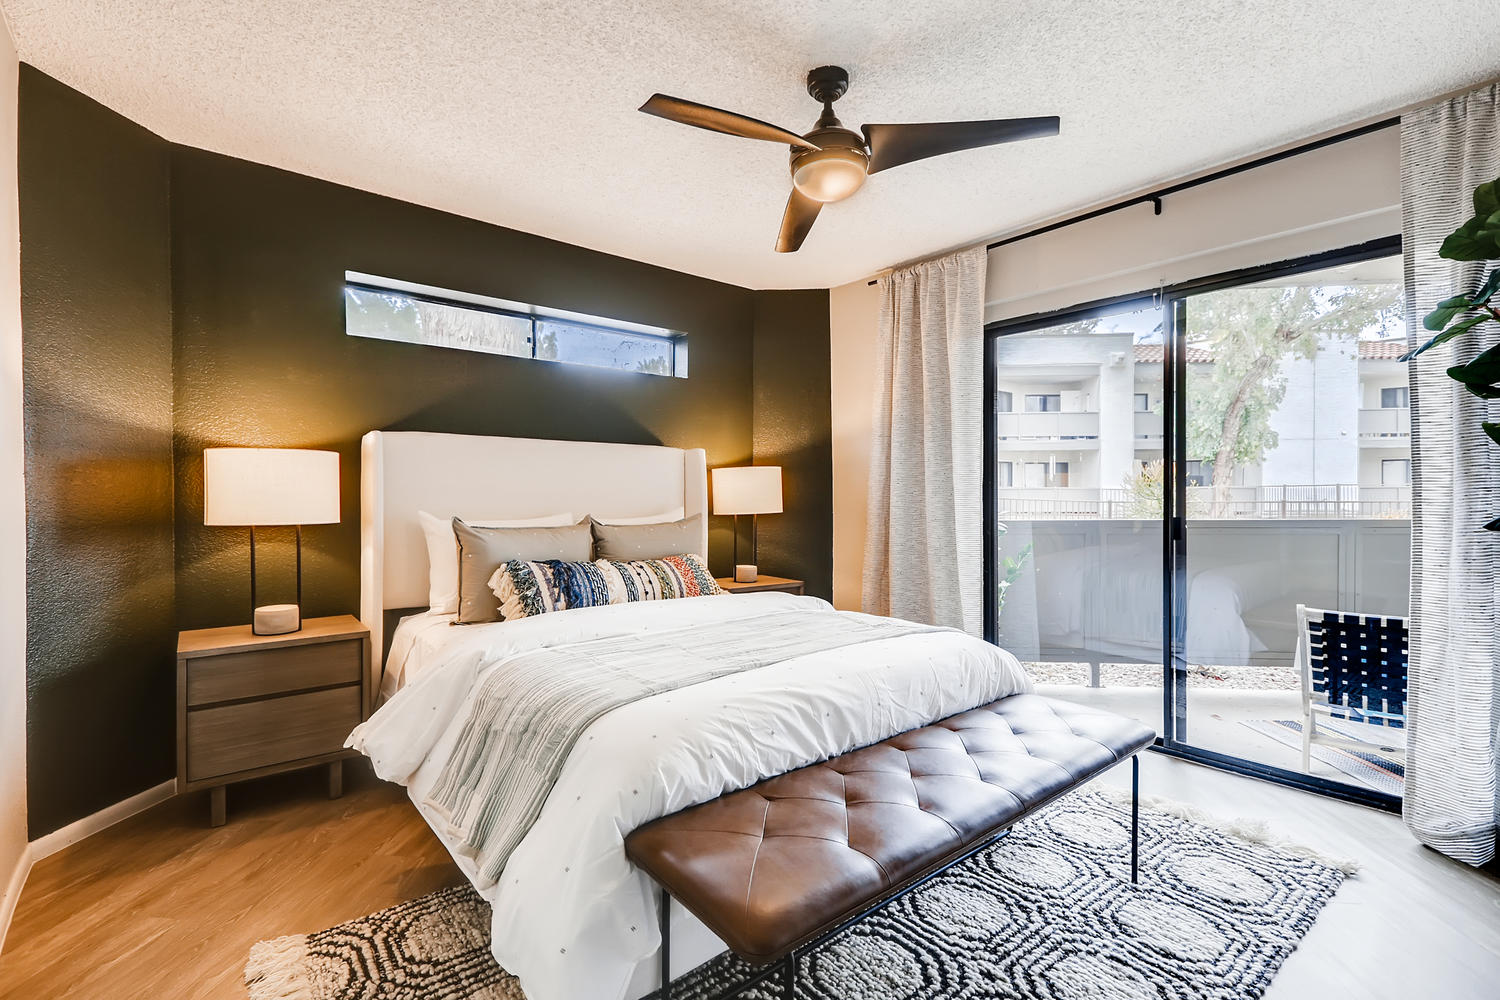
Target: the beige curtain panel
(1453, 686)
(924, 549)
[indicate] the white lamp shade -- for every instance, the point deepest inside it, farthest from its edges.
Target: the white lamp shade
(748, 489)
(269, 486)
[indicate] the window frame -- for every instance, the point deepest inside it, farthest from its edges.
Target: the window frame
(1406, 476)
(675, 342)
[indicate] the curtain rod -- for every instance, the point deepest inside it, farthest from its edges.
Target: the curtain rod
(1155, 197)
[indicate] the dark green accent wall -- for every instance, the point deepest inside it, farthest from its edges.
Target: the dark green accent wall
(97, 373)
(262, 357)
(175, 299)
(792, 425)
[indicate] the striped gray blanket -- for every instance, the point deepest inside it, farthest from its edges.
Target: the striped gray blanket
(531, 709)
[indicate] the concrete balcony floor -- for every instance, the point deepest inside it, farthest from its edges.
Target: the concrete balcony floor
(1216, 721)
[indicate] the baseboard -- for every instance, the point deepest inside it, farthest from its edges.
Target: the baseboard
(50, 844)
(13, 892)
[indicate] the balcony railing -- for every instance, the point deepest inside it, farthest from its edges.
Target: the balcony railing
(1242, 503)
(1148, 426)
(1053, 426)
(1390, 422)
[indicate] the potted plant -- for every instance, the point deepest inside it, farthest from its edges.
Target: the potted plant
(1477, 239)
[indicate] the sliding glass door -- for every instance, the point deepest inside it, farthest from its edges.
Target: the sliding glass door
(1076, 432)
(1218, 456)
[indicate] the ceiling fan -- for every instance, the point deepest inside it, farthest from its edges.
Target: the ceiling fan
(831, 162)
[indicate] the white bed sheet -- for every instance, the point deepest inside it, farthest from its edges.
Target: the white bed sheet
(572, 918)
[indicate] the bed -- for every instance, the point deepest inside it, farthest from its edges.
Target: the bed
(571, 917)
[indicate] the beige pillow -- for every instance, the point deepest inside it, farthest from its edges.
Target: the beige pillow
(675, 514)
(482, 550)
(442, 552)
(632, 542)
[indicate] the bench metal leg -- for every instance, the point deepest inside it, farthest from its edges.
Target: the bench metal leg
(666, 945)
(1135, 817)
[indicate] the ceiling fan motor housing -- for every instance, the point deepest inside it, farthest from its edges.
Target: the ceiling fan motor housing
(827, 84)
(835, 171)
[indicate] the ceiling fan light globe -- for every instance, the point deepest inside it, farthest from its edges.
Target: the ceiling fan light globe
(829, 175)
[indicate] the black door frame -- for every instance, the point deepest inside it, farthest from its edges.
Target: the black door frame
(1172, 302)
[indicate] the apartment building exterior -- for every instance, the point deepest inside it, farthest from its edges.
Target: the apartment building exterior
(1078, 417)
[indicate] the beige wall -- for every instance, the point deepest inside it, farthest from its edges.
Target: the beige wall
(1330, 198)
(854, 314)
(12, 511)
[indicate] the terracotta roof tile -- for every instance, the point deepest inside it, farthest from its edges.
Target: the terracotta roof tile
(1382, 350)
(1152, 354)
(1369, 350)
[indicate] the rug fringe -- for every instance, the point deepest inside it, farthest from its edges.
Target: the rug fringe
(1255, 831)
(277, 969)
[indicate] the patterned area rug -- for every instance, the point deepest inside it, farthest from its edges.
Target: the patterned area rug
(1380, 767)
(1047, 914)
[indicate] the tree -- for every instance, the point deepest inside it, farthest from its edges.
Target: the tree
(1249, 332)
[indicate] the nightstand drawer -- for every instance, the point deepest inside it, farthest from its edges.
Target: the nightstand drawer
(260, 672)
(231, 738)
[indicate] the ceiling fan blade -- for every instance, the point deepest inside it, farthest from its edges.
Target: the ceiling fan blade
(893, 145)
(675, 109)
(801, 213)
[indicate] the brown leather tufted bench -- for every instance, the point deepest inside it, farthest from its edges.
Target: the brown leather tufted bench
(784, 863)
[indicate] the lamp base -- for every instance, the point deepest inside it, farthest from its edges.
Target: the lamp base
(277, 619)
(746, 573)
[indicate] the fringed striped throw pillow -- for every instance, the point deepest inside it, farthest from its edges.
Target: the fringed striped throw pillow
(658, 579)
(536, 588)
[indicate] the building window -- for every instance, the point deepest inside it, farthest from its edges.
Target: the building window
(1042, 475)
(407, 313)
(1395, 399)
(1004, 402)
(1046, 402)
(1143, 402)
(1395, 471)
(1200, 473)
(1005, 474)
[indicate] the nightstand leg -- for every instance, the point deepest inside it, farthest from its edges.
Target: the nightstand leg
(216, 812)
(335, 779)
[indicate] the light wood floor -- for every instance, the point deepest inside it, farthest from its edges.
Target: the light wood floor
(162, 907)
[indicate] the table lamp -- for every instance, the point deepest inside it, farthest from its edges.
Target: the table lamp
(747, 489)
(262, 487)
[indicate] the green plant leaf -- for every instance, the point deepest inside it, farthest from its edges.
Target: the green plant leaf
(1493, 430)
(1483, 370)
(1487, 290)
(1453, 331)
(1472, 241)
(1487, 198)
(1445, 311)
(1480, 376)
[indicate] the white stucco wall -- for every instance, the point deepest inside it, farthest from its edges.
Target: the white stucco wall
(1316, 424)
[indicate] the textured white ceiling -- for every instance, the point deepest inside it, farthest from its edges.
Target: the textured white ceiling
(524, 114)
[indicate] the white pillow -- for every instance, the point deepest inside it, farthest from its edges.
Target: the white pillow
(442, 552)
(664, 517)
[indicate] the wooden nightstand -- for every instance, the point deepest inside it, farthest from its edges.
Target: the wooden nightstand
(250, 705)
(762, 584)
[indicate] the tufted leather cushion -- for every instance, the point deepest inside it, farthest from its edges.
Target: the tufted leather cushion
(770, 867)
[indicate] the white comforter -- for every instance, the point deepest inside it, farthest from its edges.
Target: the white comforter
(572, 919)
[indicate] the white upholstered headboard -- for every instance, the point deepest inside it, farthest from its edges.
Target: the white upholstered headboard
(402, 472)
